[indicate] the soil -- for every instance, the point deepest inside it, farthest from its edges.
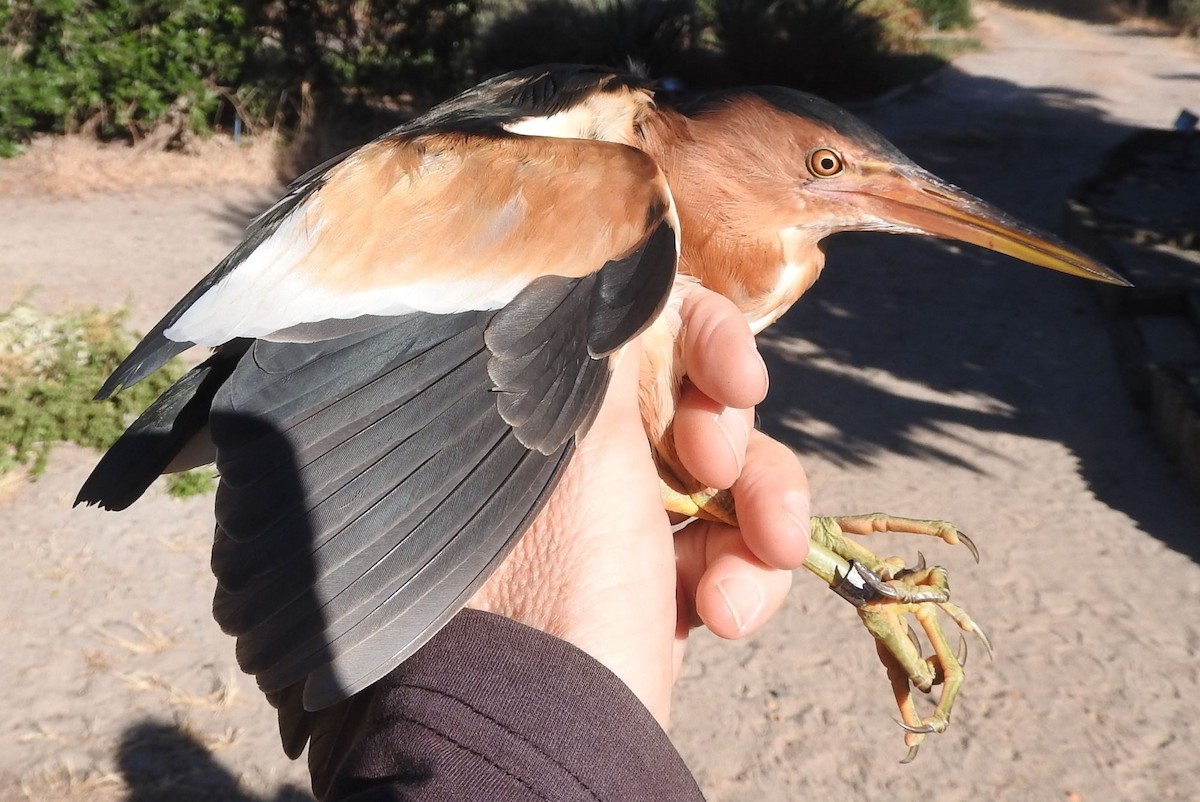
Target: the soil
(919, 378)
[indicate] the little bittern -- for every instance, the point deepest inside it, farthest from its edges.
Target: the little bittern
(409, 342)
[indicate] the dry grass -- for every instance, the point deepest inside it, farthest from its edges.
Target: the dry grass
(138, 637)
(12, 482)
(64, 782)
(75, 166)
(222, 695)
(170, 762)
(41, 731)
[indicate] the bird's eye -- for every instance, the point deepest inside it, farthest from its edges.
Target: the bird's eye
(825, 162)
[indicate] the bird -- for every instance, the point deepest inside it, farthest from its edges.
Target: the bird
(408, 344)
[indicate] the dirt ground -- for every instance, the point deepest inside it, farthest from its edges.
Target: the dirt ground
(918, 378)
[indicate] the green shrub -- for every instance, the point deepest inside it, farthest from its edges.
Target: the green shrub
(50, 367)
(1187, 14)
(655, 33)
(197, 482)
(114, 66)
(370, 50)
(838, 48)
(121, 67)
(829, 47)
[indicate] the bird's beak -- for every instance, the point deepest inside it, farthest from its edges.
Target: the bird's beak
(920, 202)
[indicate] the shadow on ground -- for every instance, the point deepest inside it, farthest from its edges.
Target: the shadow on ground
(164, 763)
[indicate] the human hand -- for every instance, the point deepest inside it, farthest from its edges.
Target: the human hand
(600, 568)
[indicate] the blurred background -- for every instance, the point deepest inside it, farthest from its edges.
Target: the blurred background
(1058, 426)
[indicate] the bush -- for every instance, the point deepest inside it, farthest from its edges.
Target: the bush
(115, 67)
(361, 49)
(1184, 13)
(945, 13)
(829, 47)
(50, 366)
(121, 67)
(655, 33)
(838, 48)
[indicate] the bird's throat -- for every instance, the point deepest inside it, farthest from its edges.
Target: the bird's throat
(728, 243)
(792, 279)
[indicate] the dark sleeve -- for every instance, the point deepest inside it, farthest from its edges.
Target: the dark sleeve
(492, 710)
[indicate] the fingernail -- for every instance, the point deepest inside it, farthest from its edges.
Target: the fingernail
(737, 434)
(799, 509)
(743, 599)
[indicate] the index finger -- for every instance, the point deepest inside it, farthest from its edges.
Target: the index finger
(719, 353)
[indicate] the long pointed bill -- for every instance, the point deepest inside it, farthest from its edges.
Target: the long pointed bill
(919, 201)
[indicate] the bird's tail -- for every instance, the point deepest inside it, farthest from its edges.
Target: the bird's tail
(160, 433)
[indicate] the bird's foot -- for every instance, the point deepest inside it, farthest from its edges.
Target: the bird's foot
(885, 592)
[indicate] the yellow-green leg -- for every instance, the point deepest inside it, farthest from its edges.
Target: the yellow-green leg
(884, 592)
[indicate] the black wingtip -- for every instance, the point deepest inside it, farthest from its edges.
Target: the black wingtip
(109, 493)
(111, 387)
(164, 428)
(150, 354)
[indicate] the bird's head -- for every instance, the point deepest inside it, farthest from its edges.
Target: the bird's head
(819, 170)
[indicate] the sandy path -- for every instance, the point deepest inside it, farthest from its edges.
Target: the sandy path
(915, 378)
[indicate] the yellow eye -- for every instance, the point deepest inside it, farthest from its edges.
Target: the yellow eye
(825, 162)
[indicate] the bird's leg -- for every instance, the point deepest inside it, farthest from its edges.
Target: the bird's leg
(707, 503)
(884, 592)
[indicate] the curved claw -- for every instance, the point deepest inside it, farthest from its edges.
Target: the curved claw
(912, 754)
(967, 625)
(924, 729)
(961, 655)
(970, 544)
(920, 566)
(987, 644)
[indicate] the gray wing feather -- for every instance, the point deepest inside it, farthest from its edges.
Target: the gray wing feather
(371, 483)
(382, 492)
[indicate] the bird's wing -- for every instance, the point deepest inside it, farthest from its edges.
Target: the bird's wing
(433, 323)
(417, 221)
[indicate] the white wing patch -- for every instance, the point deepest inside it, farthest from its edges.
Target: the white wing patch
(606, 116)
(276, 288)
(443, 225)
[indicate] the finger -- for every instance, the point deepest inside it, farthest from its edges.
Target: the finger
(711, 438)
(719, 352)
(773, 505)
(727, 588)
